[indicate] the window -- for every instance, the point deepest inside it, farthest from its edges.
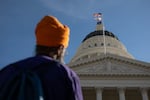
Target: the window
(95, 45)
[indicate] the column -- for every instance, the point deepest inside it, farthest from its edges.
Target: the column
(144, 94)
(99, 93)
(121, 94)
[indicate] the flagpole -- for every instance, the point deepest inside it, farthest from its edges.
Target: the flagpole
(99, 19)
(104, 36)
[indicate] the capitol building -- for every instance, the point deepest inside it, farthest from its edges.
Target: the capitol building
(108, 71)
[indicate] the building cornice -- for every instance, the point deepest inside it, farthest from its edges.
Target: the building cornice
(109, 57)
(111, 66)
(115, 75)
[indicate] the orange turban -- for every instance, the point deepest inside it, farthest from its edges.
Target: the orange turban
(50, 32)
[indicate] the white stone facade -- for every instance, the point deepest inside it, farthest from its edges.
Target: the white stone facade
(108, 72)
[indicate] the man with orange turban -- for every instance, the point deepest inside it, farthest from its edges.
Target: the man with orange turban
(55, 80)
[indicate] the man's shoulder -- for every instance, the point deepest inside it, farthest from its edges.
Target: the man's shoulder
(29, 61)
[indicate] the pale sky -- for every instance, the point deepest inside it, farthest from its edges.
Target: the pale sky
(127, 19)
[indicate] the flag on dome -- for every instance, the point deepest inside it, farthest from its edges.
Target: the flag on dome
(98, 17)
(97, 14)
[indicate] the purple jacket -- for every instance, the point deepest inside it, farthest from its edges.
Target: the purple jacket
(59, 82)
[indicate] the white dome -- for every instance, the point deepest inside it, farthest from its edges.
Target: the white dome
(96, 44)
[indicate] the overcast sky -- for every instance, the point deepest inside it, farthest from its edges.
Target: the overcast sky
(127, 19)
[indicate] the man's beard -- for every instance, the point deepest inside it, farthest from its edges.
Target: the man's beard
(60, 57)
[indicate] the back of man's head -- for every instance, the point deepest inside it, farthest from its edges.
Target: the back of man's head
(52, 37)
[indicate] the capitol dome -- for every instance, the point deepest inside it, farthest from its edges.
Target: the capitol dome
(100, 42)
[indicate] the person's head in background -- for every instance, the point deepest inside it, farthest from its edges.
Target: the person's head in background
(52, 38)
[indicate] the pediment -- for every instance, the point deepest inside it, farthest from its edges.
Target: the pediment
(113, 68)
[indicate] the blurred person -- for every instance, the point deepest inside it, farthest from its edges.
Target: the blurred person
(58, 81)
